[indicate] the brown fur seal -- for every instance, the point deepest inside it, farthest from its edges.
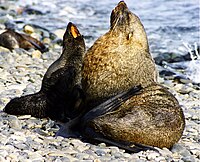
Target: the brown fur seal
(60, 95)
(11, 40)
(119, 59)
(152, 117)
(116, 62)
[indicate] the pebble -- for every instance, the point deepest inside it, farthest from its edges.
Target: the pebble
(36, 54)
(28, 29)
(188, 159)
(14, 122)
(153, 155)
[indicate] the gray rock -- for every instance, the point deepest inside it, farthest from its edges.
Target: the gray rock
(152, 156)
(2, 158)
(188, 158)
(14, 122)
(3, 153)
(82, 156)
(178, 148)
(21, 146)
(100, 152)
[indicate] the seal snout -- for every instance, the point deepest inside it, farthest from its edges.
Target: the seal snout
(120, 15)
(72, 29)
(121, 6)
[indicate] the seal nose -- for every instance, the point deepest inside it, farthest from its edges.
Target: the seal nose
(73, 30)
(121, 5)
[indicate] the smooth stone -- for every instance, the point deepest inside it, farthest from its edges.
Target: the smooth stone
(82, 156)
(187, 115)
(113, 149)
(183, 89)
(57, 153)
(9, 147)
(126, 155)
(28, 29)
(3, 153)
(116, 160)
(104, 158)
(165, 152)
(69, 157)
(86, 160)
(97, 160)
(3, 49)
(176, 155)
(58, 160)
(18, 136)
(140, 160)
(2, 159)
(185, 81)
(34, 156)
(22, 146)
(188, 159)
(14, 156)
(46, 41)
(195, 152)
(178, 148)
(117, 154)
(91, 153)
(160, 159)
(24, 117)
(25, 160)
(152, 156)
(36, 54)
(100, 152)
(14, 122)
(82, 148)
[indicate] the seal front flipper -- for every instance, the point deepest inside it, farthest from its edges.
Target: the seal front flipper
(111, 104)
(33, 104)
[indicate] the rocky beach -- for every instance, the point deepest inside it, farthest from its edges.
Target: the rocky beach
(28, 139)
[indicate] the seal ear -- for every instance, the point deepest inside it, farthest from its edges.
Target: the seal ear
(73, 30)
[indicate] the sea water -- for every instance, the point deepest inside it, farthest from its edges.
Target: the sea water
(168, 23)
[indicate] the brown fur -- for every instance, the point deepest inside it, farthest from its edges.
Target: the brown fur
(118, 60)
(11, 40)
(152, 117)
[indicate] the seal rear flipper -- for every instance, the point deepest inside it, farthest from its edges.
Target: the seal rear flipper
(128, 146)
(36, 43)
(111, 104)
(33, 104)
(69, 129)
(132, 147)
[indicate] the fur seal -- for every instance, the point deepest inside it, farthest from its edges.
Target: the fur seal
(152, 117)
(116, 62)
(60, 88)
(11, 39)
(119, 59)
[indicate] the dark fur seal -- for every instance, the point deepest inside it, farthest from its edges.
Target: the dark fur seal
(60, 95)
(11, 40)
(119, 59)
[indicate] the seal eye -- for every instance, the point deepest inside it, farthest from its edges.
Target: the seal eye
(74, 31)
(129, 35)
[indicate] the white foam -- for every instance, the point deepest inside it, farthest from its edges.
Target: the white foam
(193, 66)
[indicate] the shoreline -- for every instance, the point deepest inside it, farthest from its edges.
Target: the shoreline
(25, 138)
